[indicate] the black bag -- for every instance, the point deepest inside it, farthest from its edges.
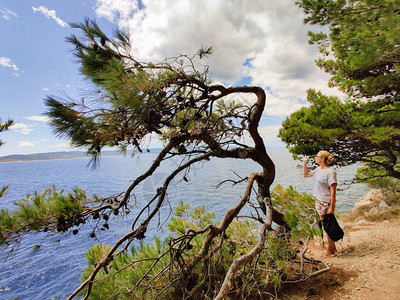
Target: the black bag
(332, 228)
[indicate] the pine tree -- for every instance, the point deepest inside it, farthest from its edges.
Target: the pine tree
(197, 120)
(3, 127)
(361, 51)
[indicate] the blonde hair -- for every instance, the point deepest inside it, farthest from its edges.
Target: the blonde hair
(328, 158)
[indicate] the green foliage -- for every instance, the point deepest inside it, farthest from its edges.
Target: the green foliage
(299, 211)
(352, 131)
(361, 51)
(3, 190)
(41, 212)
(204, 52)
(320, 11)
(4, 126)
(159, 268)
(152, 267)
(375, 176)
(318, 125)
(186, 220)
(363, 40)
(176, 101)
(134, 99)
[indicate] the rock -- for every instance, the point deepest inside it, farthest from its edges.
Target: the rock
(363, 222)
(362, 202)
(383, 204)
(384, 210)
(374, 211)
(377, 204)
(375, 197)
(377, 211)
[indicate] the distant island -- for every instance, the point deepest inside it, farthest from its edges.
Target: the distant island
(61, 155)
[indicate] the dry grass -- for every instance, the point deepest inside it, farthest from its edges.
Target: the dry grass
(321, 287)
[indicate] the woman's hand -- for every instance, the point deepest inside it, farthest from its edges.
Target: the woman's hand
(305, 170)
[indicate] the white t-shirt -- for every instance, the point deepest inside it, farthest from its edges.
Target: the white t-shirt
(322, 181)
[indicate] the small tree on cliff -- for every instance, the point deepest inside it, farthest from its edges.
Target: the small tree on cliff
(3, 127)
(197, 120)
(362, 53)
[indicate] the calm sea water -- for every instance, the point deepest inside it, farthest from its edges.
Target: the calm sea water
(54, 271)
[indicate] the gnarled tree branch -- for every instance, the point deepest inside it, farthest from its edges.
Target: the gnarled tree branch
(231, 274)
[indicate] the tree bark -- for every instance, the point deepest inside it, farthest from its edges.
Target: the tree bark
(233, 269)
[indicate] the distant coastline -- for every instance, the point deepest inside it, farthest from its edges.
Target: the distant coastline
(74, 154)
(60, 155)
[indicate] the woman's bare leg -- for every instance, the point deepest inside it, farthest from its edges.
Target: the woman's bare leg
(331, 250)
(331, 247)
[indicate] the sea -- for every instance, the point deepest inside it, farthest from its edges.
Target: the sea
(50, 267)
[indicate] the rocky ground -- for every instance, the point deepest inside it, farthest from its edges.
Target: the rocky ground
(368, 263)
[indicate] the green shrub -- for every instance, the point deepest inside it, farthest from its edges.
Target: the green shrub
(161, 269)
(41, 211)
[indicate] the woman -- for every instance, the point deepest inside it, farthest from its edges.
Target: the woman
(324, 190)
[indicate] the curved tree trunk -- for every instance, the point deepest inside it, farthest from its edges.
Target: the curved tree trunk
(230, 275)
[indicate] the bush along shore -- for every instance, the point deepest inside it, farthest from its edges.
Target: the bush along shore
(368, 263)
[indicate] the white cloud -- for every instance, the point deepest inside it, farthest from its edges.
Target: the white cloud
(50, 14)
(22, 128)
(280, 107)
(266, 40)
(269, 130)
(25, 144)
(275, 106)
(6, 62)
(22, 144)
(62, 145)
(233, 28)
(7, 14)
(60, 85)
(38, 118)
(45, 89)
(116, 9)
(270, 135)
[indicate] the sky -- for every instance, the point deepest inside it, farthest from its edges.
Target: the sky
(255, 42)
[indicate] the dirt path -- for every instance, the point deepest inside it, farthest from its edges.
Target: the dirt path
(367, 267)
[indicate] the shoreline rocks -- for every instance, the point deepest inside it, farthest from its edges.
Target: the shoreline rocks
(377, 204)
